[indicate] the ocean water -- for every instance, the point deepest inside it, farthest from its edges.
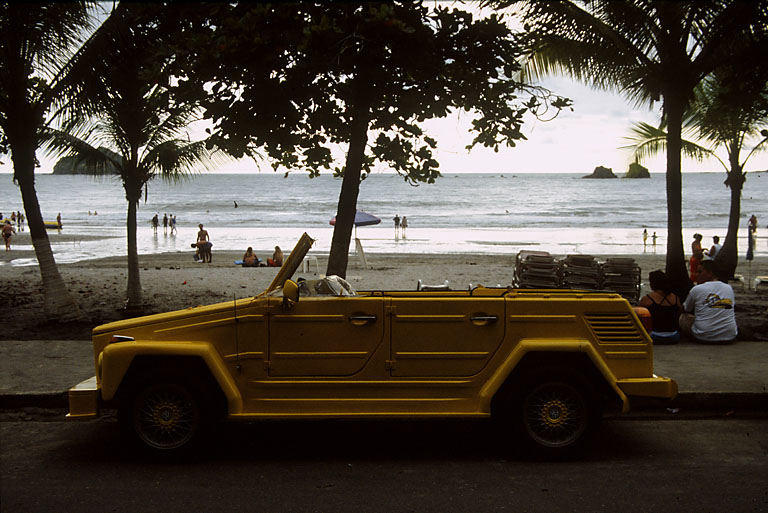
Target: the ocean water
(473, 213)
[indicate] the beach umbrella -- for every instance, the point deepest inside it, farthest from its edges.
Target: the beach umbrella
(361, 219)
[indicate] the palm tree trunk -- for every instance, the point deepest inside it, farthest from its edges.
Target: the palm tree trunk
(350, 188)
(134, 297)
(728, 257)
(675, 264)
(58, 302)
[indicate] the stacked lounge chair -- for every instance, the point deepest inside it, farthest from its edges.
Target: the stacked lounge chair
(535, 270)
(579, 272)
(622, 275)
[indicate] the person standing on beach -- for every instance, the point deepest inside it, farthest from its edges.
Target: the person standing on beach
(396, 219)
(404, 225)
(697, 254)
(653, 241)
(752, 226)
(204, 244)
(21, 219)
(58, 222)
(165, 224)
(645, 239)
(173, 224)
(155, 223)
(8, 232)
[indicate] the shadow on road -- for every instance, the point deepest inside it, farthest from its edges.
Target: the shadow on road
(349, 441)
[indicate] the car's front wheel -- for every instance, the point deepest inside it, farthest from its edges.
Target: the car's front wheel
(164, 416)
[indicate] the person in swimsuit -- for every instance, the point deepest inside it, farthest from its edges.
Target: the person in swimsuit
(249, 259)
(665, 309)
(8, 231)
(277, 258)
(204, 244)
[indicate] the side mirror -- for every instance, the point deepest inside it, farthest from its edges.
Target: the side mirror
(290, 294)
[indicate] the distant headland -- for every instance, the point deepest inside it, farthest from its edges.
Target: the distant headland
(75, 166)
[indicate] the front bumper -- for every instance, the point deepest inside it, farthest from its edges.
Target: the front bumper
(84, 400)
(656, 386)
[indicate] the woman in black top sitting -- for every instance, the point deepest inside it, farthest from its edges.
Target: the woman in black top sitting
(665, 309)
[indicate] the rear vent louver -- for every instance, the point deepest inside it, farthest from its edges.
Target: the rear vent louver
(614, 328)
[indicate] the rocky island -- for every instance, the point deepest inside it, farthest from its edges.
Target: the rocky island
(601, 172)
(637, 171)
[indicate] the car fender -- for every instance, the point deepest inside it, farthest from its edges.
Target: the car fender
(117, 358)
(526, 346)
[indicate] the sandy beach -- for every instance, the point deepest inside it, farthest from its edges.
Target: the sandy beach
(173, 281)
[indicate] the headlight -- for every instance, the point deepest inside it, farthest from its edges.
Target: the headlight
(120, 338)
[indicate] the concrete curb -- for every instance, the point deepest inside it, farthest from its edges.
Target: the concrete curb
(699, 401)
(34, 400)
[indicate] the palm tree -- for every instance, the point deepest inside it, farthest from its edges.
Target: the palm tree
(725, 113)
(649, 51)
(38, 65)
(140, 133)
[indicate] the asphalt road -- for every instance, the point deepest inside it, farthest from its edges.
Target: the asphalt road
(47, 464)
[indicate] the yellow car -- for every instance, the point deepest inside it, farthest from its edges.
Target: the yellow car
(545, 361)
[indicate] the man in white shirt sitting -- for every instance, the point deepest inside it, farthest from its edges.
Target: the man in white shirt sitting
(709, 308)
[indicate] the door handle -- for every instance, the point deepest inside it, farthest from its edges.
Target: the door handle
(359, 320)
(483, 319)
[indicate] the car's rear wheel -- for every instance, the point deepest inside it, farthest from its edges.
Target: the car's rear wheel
(555, 414)
(164, 416)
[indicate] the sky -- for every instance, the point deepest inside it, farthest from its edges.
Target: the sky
(576, 141)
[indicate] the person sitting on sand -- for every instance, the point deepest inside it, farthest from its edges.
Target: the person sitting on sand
(277, 258)
(709, 308)
(716, 247)
(249, 259)
(664, 307)
(8, 231)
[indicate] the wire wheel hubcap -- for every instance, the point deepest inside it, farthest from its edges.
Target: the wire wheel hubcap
(166, 416)
(555, 414)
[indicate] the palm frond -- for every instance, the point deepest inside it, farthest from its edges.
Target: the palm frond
(96, 161)
(174, 159)
(647, 141)
(75, 90)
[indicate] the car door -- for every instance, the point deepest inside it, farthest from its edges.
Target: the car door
(444, 336)
(324, 336)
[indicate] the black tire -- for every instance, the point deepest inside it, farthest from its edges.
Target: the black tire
(164, 416)
(553, 412)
